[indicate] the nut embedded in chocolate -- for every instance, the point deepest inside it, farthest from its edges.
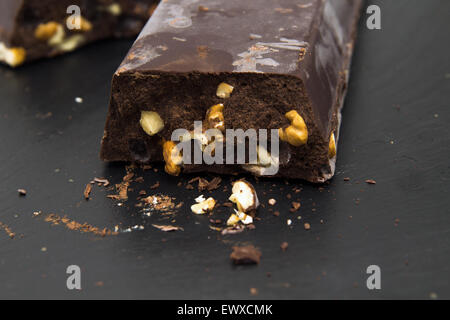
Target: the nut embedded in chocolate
(215, 118)
(332, 147)
(151, 122)
(297, 133)
(224, 90)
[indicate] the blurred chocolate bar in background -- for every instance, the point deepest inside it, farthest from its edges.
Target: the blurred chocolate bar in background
(33, 29)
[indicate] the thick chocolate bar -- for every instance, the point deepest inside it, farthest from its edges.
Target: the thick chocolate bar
(264, 64)
(32, 29)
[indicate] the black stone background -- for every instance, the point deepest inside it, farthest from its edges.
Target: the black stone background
(395, 130)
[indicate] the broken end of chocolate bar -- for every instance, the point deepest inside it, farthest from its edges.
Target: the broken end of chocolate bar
(230, 69)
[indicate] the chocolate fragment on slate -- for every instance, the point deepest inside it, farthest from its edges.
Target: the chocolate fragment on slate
(245, 255)
(280, 65)
(32, 29)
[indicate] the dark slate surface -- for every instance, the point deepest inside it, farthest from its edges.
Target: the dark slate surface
(395, 130)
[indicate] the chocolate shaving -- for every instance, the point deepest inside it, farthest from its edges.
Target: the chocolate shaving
(22, 192)
(128, 177)
(167, 228)
(54, 219)
(233, 230)
(87, 191)
(155, 186)
(123, 190)
(102, 181)
(7, 229)
(204, 184)
(214, 184)
(371, 181)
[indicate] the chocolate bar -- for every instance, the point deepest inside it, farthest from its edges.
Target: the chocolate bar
(280, 66)
(32, 29)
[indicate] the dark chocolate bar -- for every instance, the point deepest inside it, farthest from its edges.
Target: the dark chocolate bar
(32, 29)
(281, 65)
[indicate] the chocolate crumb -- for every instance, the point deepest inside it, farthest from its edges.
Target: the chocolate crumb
(307, 226)
(253, 291)
(87, 191)
(284, 246)
(139, 179)
(155, 186)
(371, 181)
(227, 204)
(251, 227)
(245, 255)
(295, 206)
(214, 184)
(128, 177)
(22, 192)
(215, 221)
(276, 213)
(346, 179)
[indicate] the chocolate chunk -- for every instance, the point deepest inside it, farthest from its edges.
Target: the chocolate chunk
(243, 65)
(32, 29)
(245, 255)
(284, 246)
